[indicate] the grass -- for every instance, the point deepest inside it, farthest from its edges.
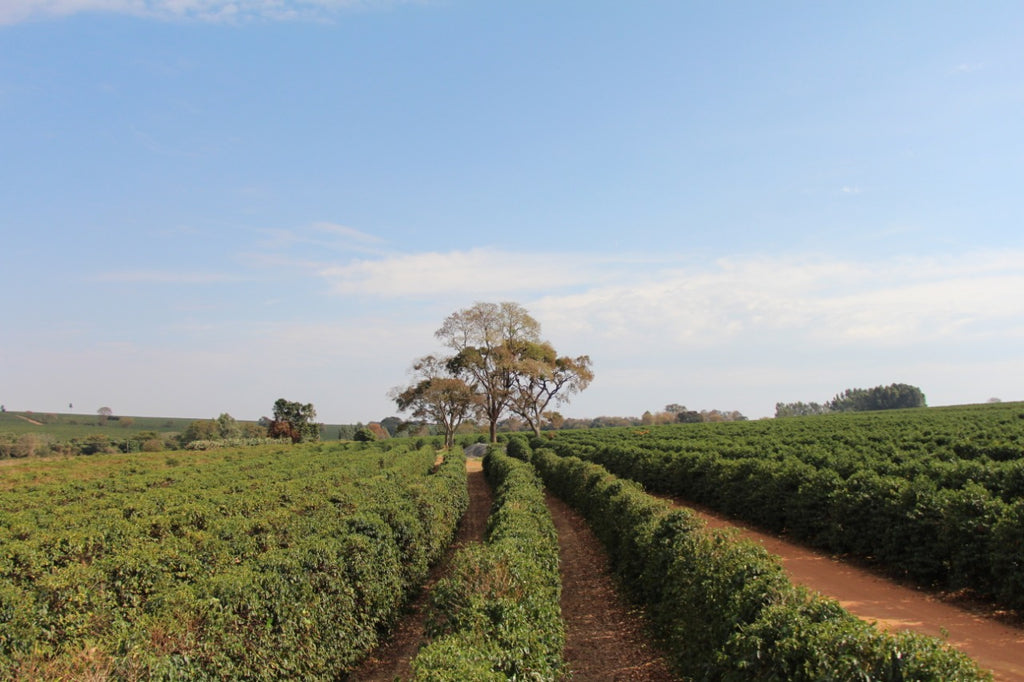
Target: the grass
(68, 426)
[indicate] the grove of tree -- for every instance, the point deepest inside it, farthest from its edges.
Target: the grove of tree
(891, 397)
(499, 364)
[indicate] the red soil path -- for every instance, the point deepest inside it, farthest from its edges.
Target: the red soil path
(994, 645)
(606, 637)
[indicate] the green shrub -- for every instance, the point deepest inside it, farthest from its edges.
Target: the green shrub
(497, 615)
(723, 607)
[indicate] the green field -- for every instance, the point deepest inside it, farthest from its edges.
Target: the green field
(81, 426)
(48, 431)
(289, 561)
(935, 495)
(274, 562)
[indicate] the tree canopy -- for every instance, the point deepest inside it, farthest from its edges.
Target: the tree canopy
(294, 420)
(499, 364)
(892, 397)
(437, 395)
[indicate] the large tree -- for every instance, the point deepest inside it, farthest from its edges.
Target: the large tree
(543, 379)
(438, 396)
(486, 339)
(500, 355)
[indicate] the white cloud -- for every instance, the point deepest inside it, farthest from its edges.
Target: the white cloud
(471, 274)
(669, 301)
(809, 301)
(13, 11)
(736, 333)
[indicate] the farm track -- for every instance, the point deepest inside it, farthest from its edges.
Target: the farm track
(994, 645)
(606, 637)
(393, 659)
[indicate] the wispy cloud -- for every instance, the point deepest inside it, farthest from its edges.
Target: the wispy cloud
(965, 68)
(349, 233)
(168, 277)
(323, 237)
(472, 273)
(806, 301)
(14, 11)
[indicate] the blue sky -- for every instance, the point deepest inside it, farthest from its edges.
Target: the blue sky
(210, 204)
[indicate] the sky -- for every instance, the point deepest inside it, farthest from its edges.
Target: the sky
(207, 205)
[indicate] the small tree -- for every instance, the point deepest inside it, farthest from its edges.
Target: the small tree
(228, 426)
(294, 420)
(364, 435)
(437, 396)
(201, 429)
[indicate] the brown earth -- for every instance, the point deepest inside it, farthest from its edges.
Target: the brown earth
(996, 646)
(393, 659)
(606, 637)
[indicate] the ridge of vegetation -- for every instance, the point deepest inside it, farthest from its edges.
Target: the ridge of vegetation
(723, 607)
(497, 615)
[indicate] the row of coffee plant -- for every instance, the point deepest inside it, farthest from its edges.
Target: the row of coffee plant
(497, 614)
(282, 562)
(724, 607)
(936, 494)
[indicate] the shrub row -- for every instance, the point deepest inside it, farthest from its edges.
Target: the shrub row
(268, 564)
(951, 538)
(497, 615)
(724, 607)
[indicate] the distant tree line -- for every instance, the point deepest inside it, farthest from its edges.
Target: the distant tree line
(891, 397)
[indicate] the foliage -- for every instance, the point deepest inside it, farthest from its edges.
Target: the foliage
(294, 420)
(364, 435)
(800, 409)
(498, 352)
(543, 379)
(892, 397)
(437, 395)
(484, 339)
(929, 494)
(269, 563)
(723, 607)
(497, 615)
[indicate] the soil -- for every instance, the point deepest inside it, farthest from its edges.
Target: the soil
(606, 638)
(393, 659)
(995, 645)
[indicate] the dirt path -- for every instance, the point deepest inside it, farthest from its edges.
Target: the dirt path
(995, 646)
(605, 636)
(392, 661)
